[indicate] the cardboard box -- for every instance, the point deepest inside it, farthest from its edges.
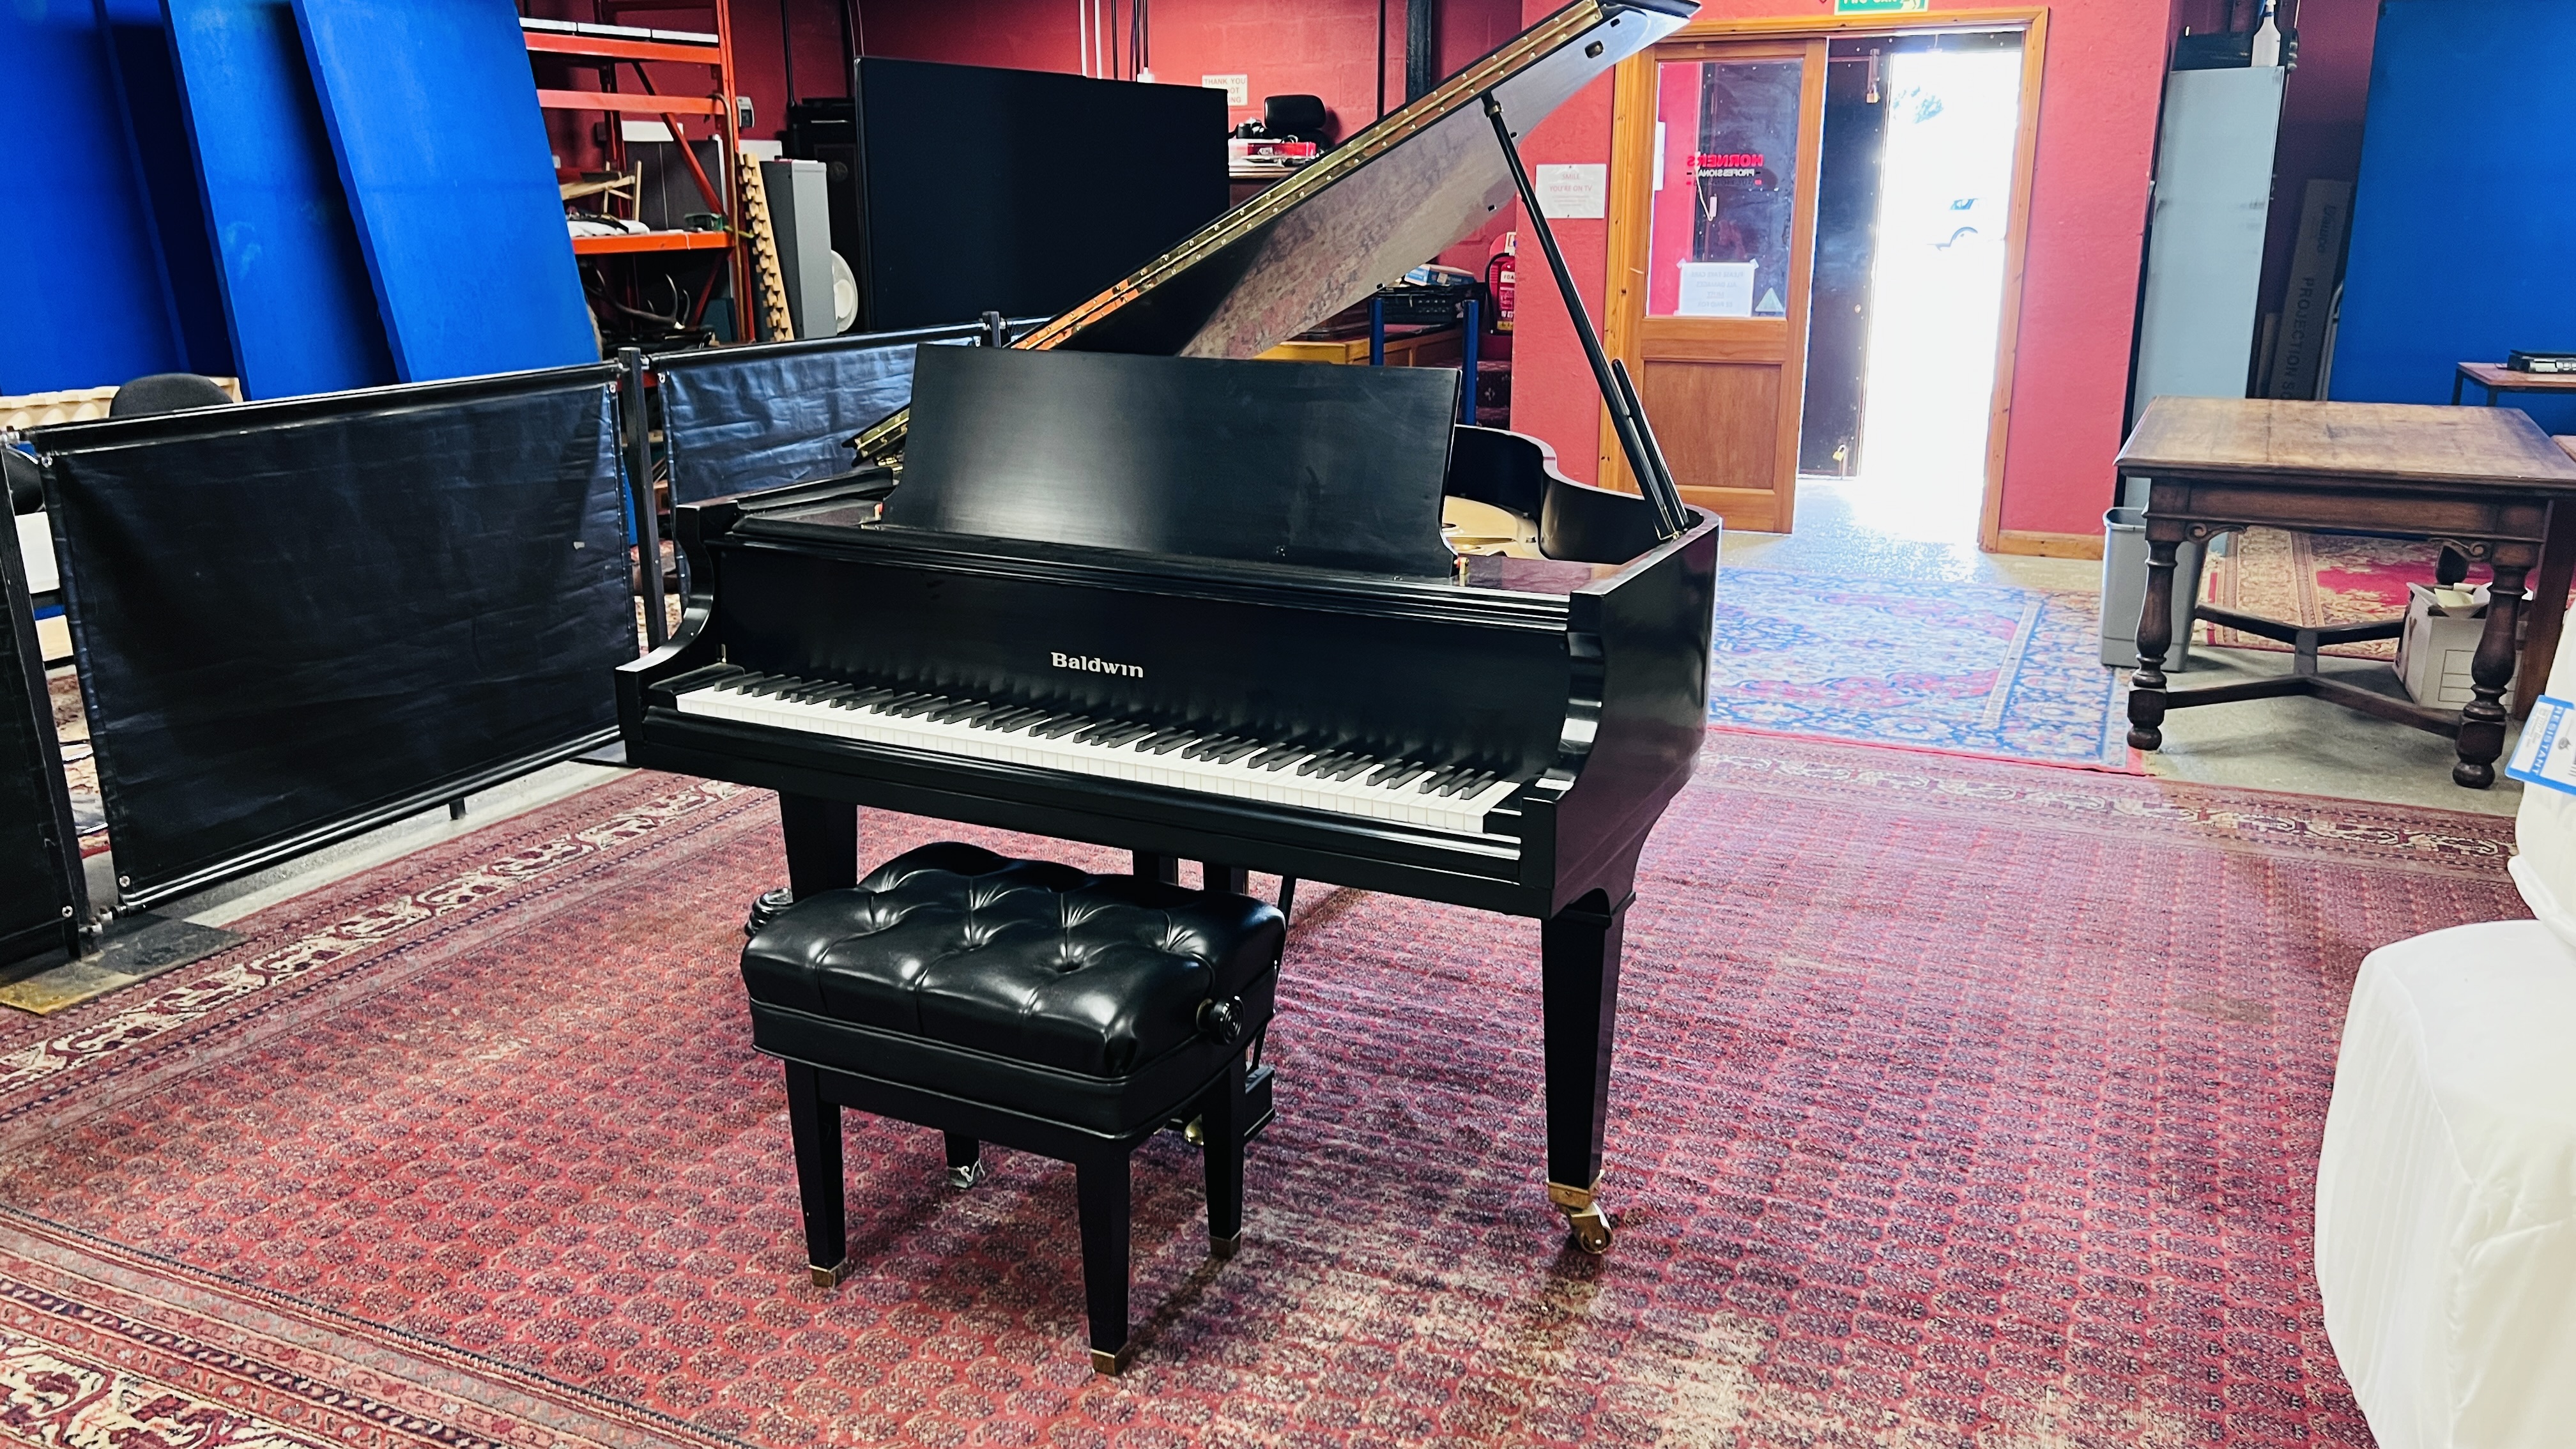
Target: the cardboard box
(2440, 639)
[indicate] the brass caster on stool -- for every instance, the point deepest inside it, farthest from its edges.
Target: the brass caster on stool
(962, 1178)
(1588, 1225)
(829, 1277)
(767, 907)
(1112, 1364)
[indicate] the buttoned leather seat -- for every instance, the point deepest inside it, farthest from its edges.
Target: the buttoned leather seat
(1022, 1002)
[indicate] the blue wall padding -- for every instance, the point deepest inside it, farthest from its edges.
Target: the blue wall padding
(301, 311)
(156, 133)
(2462, 241)
(82, 301)
(432, 113)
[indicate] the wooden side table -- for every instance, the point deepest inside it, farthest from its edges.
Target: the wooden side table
(2498, 379)
(2483, 482)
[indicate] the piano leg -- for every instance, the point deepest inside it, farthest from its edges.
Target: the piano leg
(1164, 868)
(1579, 976)
(822, 844)
(1215, 877)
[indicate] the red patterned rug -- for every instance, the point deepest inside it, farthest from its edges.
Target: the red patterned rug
(2317, 578)
(1957, 1103)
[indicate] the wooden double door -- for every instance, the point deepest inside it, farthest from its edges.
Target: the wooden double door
(1712, 225)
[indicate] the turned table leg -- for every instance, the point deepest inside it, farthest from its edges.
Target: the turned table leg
(2155, 636)
(2482, 718)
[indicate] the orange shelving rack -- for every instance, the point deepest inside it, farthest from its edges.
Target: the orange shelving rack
(617, 52)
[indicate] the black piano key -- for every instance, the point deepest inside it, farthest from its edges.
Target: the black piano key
(1435, 779)
(1206, 746)
(914, 705)
(1469, 785)
(1276, 757)
(1166, 742)
(1404, 774)
(1228, 753)
(1321, 761)
(1354, 765)
(1098, 731)
(1057, 725)
(1123, 735)
(957, 711)
(1011, 720)
(1385, 774)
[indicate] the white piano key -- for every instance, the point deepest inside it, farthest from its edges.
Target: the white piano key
(901, 718)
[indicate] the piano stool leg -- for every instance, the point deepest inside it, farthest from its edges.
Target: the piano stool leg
(1579, 976)
(1100, 1195)
(965, 1161)
(822, 844)
(816, 1127)
(1164, 868)
(1287, 896)
(1215, 877)
(1221, 1126)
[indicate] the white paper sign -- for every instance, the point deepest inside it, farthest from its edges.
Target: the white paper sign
(2546, 754)
(1574, 192)
(1237, 88)
(1716, 289)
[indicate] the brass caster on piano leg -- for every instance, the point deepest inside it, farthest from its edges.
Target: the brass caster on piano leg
(962, 1178)
(1588, 1225)
(1112, 1364)
(829, 1277)
(1223, 1247)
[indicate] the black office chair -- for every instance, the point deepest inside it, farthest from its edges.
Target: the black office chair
(1299, 118)
(167, 392)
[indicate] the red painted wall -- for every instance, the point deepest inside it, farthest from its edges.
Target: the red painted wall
(2097, 121)
(1325, 48)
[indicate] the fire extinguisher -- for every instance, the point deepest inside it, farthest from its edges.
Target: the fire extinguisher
(1499, 279)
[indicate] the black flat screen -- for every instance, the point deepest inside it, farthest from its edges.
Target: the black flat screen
(291, 614)
(1021, 192)
(38, 852)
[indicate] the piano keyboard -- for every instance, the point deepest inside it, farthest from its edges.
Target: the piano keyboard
(1441, 797)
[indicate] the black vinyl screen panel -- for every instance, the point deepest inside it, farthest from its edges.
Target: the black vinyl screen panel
(740, 419)
(296, 619)
(40, 893)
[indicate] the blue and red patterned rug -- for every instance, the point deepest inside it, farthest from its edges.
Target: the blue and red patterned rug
(1971, 669)
(1924, 1131)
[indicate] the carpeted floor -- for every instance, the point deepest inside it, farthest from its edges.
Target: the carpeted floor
(1975, 669)
(2317, 578)
(1957, 1103)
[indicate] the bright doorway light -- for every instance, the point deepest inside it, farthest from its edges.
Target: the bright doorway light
(1936, 287)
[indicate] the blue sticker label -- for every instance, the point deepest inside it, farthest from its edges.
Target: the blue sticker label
(2546, 753)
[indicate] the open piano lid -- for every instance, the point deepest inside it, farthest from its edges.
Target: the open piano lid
(1370, 210)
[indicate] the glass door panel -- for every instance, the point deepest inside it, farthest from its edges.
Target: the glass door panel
(1723, 229)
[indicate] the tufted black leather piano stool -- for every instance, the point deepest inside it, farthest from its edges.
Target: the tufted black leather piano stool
(1025, 1003)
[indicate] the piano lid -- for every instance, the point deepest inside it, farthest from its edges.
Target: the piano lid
(1382, 203)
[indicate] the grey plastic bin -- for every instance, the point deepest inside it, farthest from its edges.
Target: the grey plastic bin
(2124, 590)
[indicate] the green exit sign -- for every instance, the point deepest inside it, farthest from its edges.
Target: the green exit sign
(1880, 7)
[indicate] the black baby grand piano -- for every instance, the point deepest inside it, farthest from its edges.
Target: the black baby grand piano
(1117, 585)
